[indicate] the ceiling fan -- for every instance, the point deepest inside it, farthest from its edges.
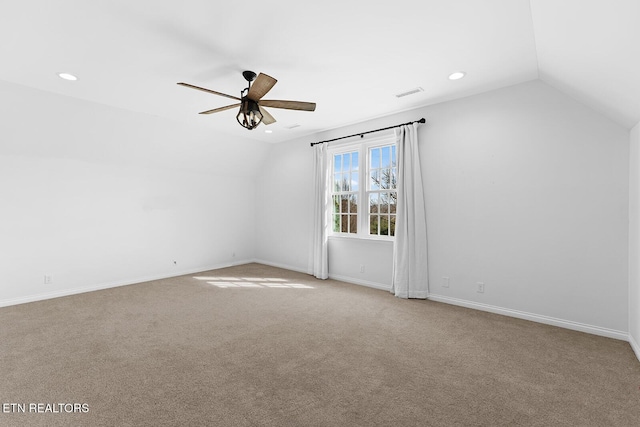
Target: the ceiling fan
(251, 104)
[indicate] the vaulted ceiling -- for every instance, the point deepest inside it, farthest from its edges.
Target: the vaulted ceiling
(350, 57)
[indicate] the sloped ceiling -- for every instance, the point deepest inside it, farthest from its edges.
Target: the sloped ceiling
(591, 50)
(351, 58)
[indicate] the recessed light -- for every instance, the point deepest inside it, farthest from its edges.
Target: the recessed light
(457, 75)
(268, 131)
(67, 76)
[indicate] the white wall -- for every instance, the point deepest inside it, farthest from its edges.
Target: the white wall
(95, 196)
(283, 210)
(346, 256)
(634, 239)
(526, 191)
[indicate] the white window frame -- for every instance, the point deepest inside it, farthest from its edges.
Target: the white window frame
(362, 147)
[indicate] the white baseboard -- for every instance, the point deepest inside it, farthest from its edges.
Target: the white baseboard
(568, 324)
(366, 283)
(283, 266)
(115, 284)
(634, 346)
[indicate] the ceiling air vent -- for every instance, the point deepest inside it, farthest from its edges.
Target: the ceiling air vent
(409, 92)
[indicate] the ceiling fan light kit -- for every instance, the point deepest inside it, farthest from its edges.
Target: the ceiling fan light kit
(249, 116)
(252, 111)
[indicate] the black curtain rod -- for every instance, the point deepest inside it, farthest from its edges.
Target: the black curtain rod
(371, 131)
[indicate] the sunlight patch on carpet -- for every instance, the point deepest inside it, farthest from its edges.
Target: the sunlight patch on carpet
(251, 282)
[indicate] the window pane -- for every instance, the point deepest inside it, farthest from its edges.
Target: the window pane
(336, 204)
(344, 226)
(337, 163)
(337, 182)
(346, 162)
(385, 180)
(336, 223)
(373, 224)
(384, 203)
(353, 223)
(354, 161)
(373, 203)
(392, 203)
(375, 158)
(393, 155)
(375, 180)
(384, 225)
(345, 182)
(354, 181)
(386, 157)
(392, 226)
(393, 177)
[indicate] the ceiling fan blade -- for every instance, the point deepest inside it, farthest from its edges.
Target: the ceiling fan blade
(267, 118)
(216, 110)
(209, 91)
(261, 86)
(289, 105)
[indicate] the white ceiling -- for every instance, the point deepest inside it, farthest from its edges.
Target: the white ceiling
(350, 57)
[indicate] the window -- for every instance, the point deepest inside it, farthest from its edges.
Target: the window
(364, 193)
(345, 192)
(382, 194)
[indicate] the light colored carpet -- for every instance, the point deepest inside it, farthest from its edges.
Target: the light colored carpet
(279, 348)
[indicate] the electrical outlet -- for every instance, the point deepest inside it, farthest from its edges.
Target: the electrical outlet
(480, 287)
(47, 279)
(361, 268)
(445, 282)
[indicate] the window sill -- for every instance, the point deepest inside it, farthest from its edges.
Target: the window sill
(361, 238)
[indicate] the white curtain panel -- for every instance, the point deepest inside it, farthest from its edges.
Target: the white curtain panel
(410, 274)
(320, 255)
